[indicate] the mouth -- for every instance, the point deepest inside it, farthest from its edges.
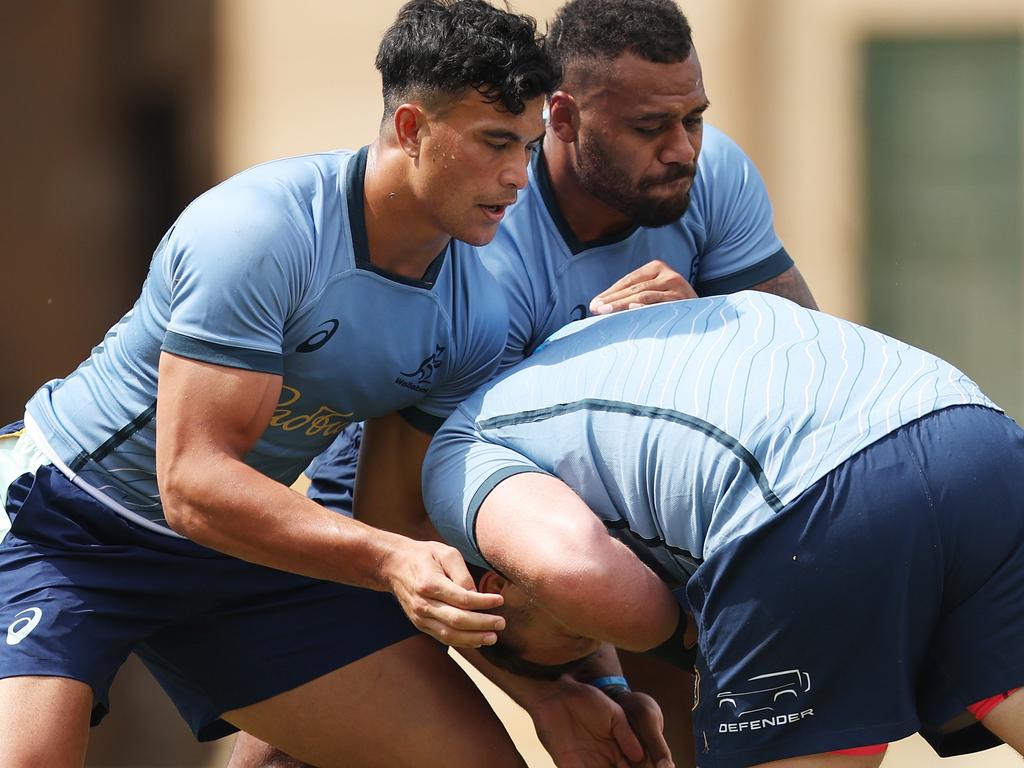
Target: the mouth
(494, 212)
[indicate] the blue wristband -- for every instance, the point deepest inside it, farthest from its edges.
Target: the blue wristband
(611, 681)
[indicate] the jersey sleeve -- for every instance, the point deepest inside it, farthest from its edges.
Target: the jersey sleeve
(235, 264)
(742, 248)
(459, 471)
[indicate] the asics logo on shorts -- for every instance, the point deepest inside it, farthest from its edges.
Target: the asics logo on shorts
(21, 628)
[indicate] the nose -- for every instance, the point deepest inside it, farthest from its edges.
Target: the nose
(514, 173)
(679, 146)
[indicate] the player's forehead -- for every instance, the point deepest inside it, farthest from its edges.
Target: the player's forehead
(631, 86)
(471, 111)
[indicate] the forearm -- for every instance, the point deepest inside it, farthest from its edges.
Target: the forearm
(225, 505)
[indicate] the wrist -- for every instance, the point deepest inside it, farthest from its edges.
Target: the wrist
(611, 686)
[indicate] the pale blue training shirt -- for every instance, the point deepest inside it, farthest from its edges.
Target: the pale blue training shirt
(270, 271)
(685, 424)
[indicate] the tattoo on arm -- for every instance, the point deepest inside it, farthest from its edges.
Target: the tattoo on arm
(789, 285)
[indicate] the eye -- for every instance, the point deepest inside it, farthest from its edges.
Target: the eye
(498, 146)
(693, 123)
(644, 131)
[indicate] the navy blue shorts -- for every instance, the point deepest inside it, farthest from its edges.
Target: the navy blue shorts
(884, 600)
(332, 474)
(81, 588)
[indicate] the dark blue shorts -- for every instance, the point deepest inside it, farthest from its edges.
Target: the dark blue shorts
(884, 600)
(81, 588)
(332, 474)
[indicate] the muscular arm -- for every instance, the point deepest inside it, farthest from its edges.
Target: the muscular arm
(209, 417)
(789, 285)
(537, 531)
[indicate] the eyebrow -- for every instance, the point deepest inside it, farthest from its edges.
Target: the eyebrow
(656, 116)
(497, 133)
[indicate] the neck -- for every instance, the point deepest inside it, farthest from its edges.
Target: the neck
(587, 217)
(402, 238)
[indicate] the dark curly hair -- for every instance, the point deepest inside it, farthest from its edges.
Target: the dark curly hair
(601, 30)
(439, 48)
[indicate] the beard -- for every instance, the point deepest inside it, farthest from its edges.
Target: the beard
(605, 181)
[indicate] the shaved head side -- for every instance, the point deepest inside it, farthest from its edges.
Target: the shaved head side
(588, 34)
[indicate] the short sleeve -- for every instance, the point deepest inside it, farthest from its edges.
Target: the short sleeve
(459, 471)
(235, 264)
(742, 248)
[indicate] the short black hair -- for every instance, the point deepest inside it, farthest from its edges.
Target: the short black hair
(602, 30)
(442, 47)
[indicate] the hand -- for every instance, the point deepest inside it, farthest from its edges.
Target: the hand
(652, 283)
(438, 595)
(580, 727)
(648, 724)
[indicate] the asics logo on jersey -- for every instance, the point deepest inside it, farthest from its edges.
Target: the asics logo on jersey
(321, 337)
(20, 628)
(424, 373)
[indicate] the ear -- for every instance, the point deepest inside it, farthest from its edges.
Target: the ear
(410, 127)
(564, 116)
(493, 582)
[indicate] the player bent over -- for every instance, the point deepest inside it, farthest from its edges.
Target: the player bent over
(840, 514)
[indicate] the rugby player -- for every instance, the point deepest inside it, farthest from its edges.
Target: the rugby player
(840, 514)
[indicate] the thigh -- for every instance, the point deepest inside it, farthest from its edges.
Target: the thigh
(45, 721)
(405, 705)
(267, 632)
(73, 597)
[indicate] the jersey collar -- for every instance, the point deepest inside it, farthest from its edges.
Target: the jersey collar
(547, 193)
(355, 176)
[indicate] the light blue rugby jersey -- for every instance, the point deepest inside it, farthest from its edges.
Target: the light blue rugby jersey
(270, 271)
(725, 242)
(685, 424)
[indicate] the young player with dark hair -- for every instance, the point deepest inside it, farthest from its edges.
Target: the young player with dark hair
(148, 490)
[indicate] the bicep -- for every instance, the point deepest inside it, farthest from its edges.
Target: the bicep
(203, 408)
(534, 528)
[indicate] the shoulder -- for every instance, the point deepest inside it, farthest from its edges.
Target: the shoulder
(477, 292)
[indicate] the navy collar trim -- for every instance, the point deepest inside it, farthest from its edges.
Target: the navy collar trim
(547, 193)
(355, 177)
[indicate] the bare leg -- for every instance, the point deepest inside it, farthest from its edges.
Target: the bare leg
(406, 705)
(45, 722)
(250, 752)
(1007, 721)
(672, 688)
(827, 761)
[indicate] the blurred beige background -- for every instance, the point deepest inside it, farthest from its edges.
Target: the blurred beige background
(890, 135)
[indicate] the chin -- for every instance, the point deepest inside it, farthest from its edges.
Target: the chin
(476, 237)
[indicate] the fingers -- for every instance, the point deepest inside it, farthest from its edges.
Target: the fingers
(444, 609)
(627, 740)
(650, 284)
(454, 626)
(647, 272)
(455, 568)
